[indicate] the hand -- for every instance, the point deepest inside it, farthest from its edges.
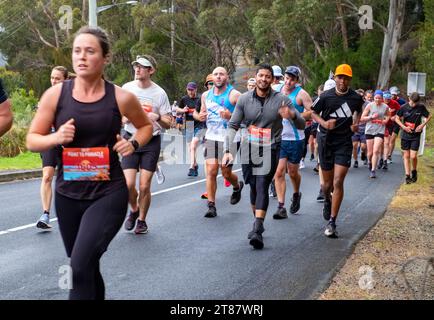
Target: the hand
(407, 129)
(374, 116)
(227, 159)
(153, 116)
(419, 128)
(123, 146)
(202, 116)
(330, 124)
(286, 113)
(66, 132)
(355, 128)
(186, 109)
(225, 114)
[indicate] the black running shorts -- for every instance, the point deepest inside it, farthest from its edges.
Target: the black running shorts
(333, 151)
(146, 158)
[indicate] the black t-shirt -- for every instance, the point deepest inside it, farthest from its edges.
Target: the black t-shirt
(341, 108)
(3, 95)
(192, 104)
(412, 117)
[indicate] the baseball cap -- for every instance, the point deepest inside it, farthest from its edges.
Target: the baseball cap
(329, 84)
(378, 93)
(192, 86)
(293, 70)
(251, 81)
(209, 78)
(277, 71)
(143, 62)
(344, 69)
(387, 95)
(394, 90)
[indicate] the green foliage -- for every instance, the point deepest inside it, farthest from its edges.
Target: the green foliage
(11, 80)
(26, 160)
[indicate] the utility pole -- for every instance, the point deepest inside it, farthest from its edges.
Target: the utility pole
(172, 34)
(93, 20)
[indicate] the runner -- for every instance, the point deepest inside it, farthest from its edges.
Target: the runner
(277, 77)
(6, 117)
(395, 96)
(394, 106)
(262, 110)
(293, 144)
(144, 160)
(194, 129)
(49, 161)
(376, 115)
(86, 113)
(359, 137)
(209, 83)
(251, 84)
(337, 124)
(409, 118)
(217, 106)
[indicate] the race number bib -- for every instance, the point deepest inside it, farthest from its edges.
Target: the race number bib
(411, 125)
(86, 164)
(258, 135)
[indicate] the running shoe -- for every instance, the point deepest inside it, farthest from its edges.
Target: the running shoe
(191, 172)
(372, 174)
(330, 230)
(280, 214)
(408, 179)
(327, 209)
(204, 195)
(131, 220)
(363, 156)
(212, 212)
(385, 165)
(260, 229)
(316, 168)
(141, 227)
(256, 241)
(365, 162)
(389, 158)
(380, 164)
(236, 194)
(312, 157)
(302, 165)
(44, 222)
(321, 196)
(356, 164)
(413, 176)
(295, 205)
(160, 175)
(196, 171)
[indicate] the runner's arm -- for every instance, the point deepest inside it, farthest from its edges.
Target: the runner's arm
(39, 138)
(365, 117)
(234, 124)
(288, 111)
(6, 117)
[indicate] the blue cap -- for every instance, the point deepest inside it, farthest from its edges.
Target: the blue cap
(378, 92)
(293, 71)
(387, 95)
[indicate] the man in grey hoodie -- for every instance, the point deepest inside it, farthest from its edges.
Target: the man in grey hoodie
(262, 111)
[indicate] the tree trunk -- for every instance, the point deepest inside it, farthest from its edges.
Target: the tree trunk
(84, 11)
(343, 25)
(391, 41)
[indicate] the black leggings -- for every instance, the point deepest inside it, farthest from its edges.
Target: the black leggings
(87, 228)
(307, 132)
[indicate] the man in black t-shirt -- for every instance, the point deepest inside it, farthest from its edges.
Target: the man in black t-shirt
(5, 111)
(409, 118)
(194, 129)
(338, 113)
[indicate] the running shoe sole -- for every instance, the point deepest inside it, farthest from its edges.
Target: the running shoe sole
(256, 242)
(43, 225)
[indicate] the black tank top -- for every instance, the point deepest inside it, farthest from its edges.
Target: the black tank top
(96, 125)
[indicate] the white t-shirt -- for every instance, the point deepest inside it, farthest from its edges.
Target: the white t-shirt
(152, 97)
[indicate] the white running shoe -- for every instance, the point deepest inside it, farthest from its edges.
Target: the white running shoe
(160, 175)
(302, 166)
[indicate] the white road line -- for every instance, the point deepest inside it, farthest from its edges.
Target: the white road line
(33, 225)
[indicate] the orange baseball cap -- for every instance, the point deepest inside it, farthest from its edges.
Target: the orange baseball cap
(344, 69)
(209, 78)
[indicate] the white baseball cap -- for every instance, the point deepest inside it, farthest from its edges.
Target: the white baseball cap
(329, 84)
(277, 71)
(143, 62)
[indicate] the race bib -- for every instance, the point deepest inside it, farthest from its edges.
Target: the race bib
(86, 164)
(259, 135)
(377, 121)
(411, 125)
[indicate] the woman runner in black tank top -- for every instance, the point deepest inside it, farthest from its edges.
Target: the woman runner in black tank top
(91, 196)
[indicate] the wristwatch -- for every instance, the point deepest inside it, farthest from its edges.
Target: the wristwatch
(135, 144)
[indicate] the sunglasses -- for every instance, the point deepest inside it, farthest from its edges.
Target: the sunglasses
(210, 83)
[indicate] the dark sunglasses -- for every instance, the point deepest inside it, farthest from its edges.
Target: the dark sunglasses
(210, 83)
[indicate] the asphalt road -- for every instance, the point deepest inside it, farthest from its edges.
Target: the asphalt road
(187, 256)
